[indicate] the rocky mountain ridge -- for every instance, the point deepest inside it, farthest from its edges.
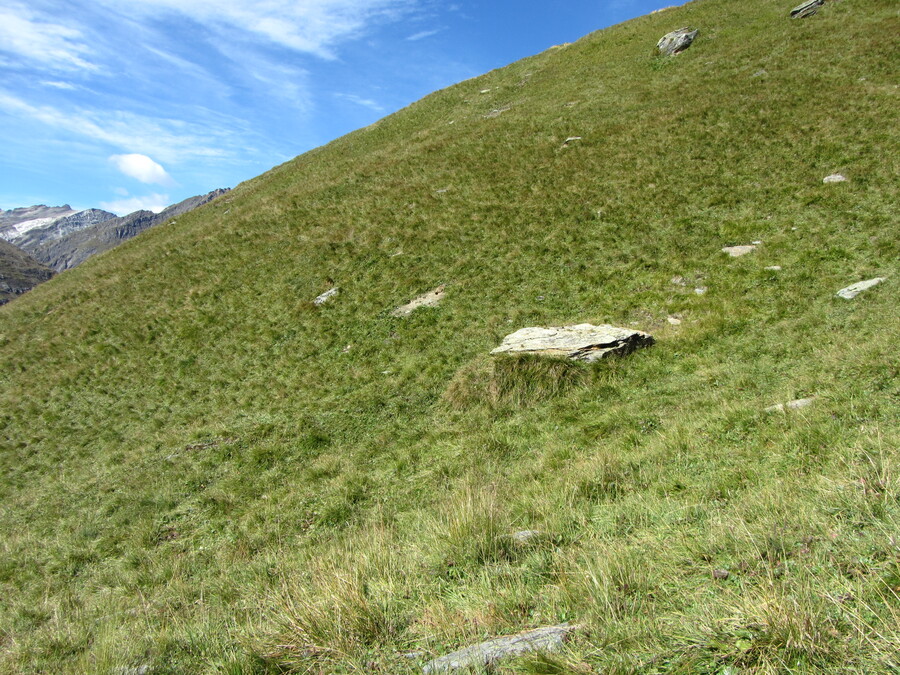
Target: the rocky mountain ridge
(47, 239)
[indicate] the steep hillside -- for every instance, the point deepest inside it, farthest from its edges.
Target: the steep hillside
(204, 471)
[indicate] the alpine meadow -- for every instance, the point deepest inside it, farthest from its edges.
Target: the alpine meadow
(205, 469)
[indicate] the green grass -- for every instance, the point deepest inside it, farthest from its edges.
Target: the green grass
(199, 477)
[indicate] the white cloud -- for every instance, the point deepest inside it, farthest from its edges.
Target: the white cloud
(423, 34)
(39, 38)
(311, 26)
(122, 207)
(142, 168)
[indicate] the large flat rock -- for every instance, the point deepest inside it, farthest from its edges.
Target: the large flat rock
(484, 654)
(582, 342)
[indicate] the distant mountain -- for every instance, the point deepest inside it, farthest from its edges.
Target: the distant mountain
(62, 238)
(15, 222)
(19, 272)
(37, 241)
(61, 227)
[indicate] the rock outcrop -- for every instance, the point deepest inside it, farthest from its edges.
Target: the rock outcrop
(676, 41)
(582, 342)
(485, 654)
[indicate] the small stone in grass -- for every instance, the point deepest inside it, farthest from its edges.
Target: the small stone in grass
(720, 574)
(835, 178)
(853, 290)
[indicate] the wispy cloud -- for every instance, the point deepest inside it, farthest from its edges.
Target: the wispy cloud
(40, 39)
(56, 84)
(142, 168)
(170, 140)
(359, 100)
(311, 26)
(423, 34)
(154, 202)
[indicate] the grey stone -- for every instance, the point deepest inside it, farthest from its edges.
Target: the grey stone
(676, 41)
(496, 112)
(774, 268)
(326, 296)
(835, 178)
(853, 290)
(546, 639)
(526, 536)
(582, 342)
(791, 405)
(738, 251)
(806, 9)
(429, 299)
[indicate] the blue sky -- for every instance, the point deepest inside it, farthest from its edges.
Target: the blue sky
(128, 104)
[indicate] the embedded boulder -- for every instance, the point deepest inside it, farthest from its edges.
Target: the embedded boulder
(676, 41)
(485, 654)
(582, 342)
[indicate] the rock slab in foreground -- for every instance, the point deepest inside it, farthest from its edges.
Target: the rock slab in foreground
(676, 41)
(806, 9)
(546, 639)
(853, 290)
(582, 342)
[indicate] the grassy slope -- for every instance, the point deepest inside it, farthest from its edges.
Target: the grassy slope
(197, 476)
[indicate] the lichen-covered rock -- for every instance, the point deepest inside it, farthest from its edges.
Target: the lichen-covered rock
(546, 639)
(806, 9)
(676, 41)
(582, 342)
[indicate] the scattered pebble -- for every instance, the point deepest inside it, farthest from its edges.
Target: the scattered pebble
(835, 178)
(720, 574)
(429, 299)
(484, 91)
(791, 405)
(853, 290)
(700, 290)
(326, 296)
(496, 112)
(774, 268)
(738, 251)
(675, 321)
